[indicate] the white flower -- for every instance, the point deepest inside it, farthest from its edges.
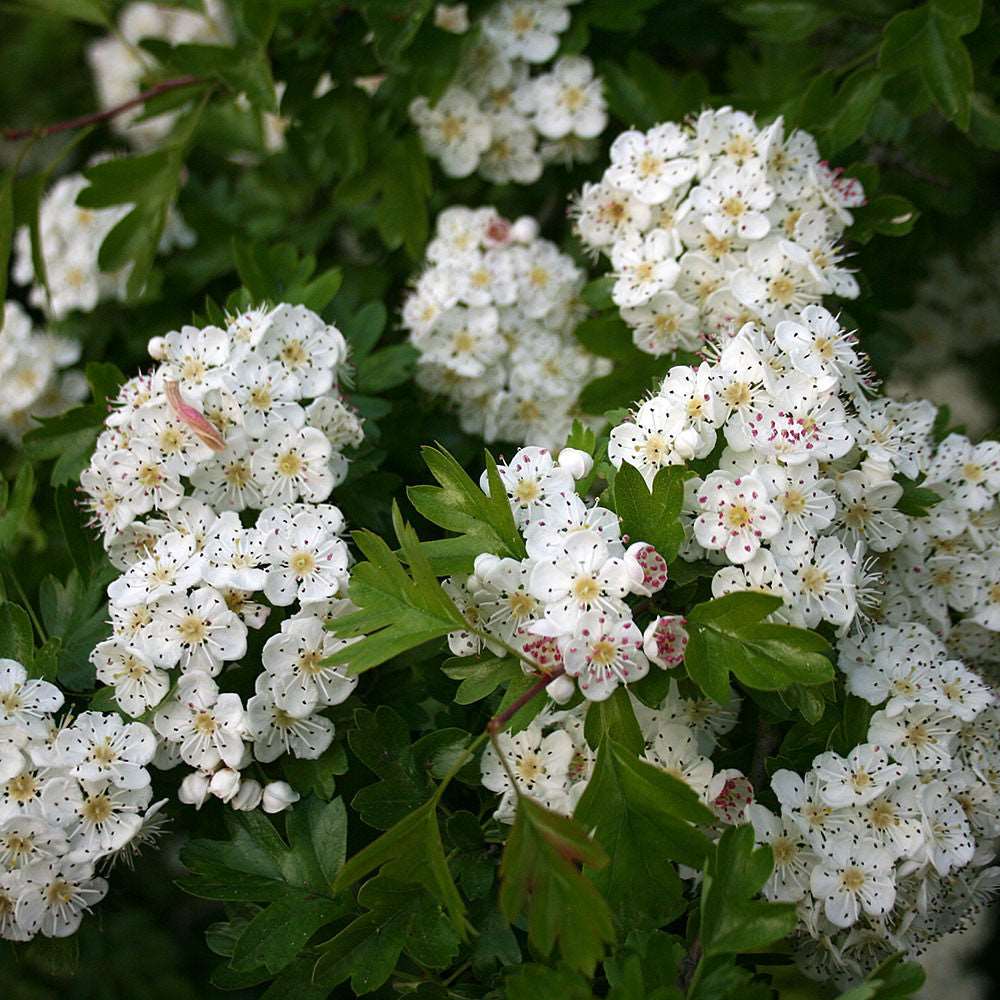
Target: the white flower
(454, 131)
(540, 765)
(675, 750)
(793, 858)
(651, 165)
(857, 779)
(207, 725)
(604, 650)
(733, 201)
(656, 436)
(307, 561)
(26, 840)
(56, 895)
(275, 730)
(172, 568)
(823, 583)
(851, 878)
(537, 488)
(949, 843)
(644, 266)
(138, 684)
(583, 578)
(197, 631)
(233, 555)
(869, 512)
(289, 463)
(526, 29)
(106, 818)
(569, 100)
(307, 349)
(300, 679)
(25, 703)
(735, 515)
(99, 747)
(921, 738)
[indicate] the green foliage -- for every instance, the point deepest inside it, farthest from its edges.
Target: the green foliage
(398, 609)
(643, 818)
(540, 880)
(652, 515)
(728, 635)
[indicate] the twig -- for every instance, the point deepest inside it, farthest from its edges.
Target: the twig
(498, 722)
(96, 117)
(768, 738)
(689, 966)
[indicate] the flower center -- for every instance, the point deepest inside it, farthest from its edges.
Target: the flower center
(150, 476)
(289, 464)
(204, 723)
(738, 517)
(302, 563)
(293, 354)
(585, 589)
(97, 809)
(527, 490)
(521, 604)
(603, 652)
(813, 580)
(852, 879)
(192, 630)
(60, 893)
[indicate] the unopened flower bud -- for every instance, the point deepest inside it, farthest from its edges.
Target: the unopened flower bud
(194, 789)
(452, 17)
(576, 462)
(278, 796)
(561, 689)
(665, 640)
(157, 348)
(524, 230)
(225, 783)
(248, 797)
(646, 568)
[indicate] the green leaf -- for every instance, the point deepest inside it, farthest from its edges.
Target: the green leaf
(14, 504)
(916, 500)
(88, 11)
(532, 982)
(597, 293)
(853, 108)
(394, 24)
(642, 816)
(651, 516)
(279, 932)
(75, 613)
(411, 852)
(458, 504)
(541, 881)
(363, 329)
(397, 610)
(732, 921)
(928, 40)
(728, 635)
(781, 20)
(613, 718)
(480, 677)
(385, 369)
(404, 184)
(16, 638)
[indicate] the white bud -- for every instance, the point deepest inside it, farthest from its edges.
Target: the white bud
(561, 689)
(524, 230)
(576, 462)
(485, 563)
(278, 796)
(453, 17)
(225, 783)
(248, 797)
(157, 348)
(194, 789)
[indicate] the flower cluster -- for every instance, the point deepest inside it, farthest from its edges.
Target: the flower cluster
(807, 481)
(31, 366)
(209, 483)
(715, 223)
(71, 238)
(493, 320)
(74, 795)
(886, 848)
(562, 608)
(120, 65)
(551, 762)
(500, 119)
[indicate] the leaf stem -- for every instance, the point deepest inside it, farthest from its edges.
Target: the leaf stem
(499, 722)
(96, 117)
(858, 60)
(29, 610)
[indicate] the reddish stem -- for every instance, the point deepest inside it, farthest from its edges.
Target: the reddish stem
(499, 722)
(96, 117)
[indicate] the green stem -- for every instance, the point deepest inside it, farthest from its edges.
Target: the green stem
(28, 608)
(859, 60)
